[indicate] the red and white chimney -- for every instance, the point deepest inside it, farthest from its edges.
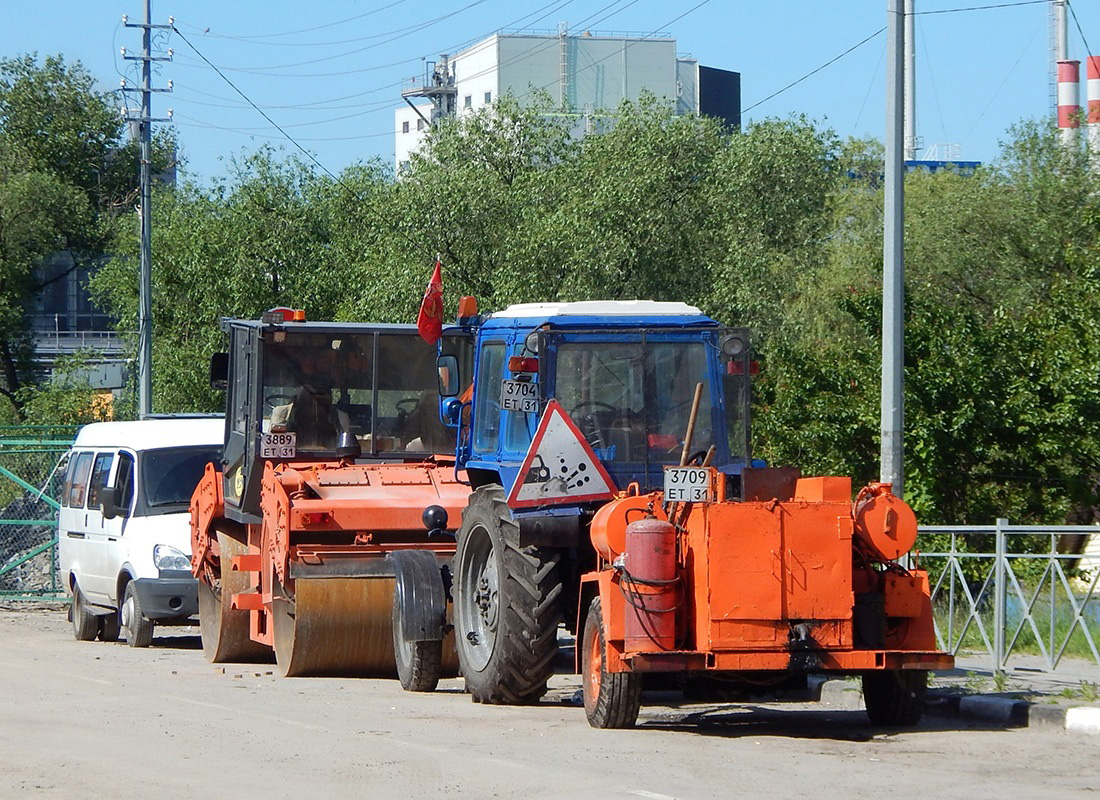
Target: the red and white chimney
(1069, 75)
(1092, 117)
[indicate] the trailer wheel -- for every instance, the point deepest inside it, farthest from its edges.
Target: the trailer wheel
(224, 630)
(139, 630)
(611, 699)
(895, 697)
(507, 605)
(85, 623)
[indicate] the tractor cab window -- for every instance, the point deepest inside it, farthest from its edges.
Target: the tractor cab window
(633, 402)
(381, 388)
(632, 399)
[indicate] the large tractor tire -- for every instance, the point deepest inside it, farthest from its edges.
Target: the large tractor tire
(507, 605)
(224, 629)
(611, 699)
(895, 698)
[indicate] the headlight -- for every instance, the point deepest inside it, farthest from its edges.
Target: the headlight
(165, 557)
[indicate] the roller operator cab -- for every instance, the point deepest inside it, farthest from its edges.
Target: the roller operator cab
(607, 444)
(331, 505)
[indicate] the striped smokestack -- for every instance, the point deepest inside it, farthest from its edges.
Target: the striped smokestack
(1069, 75)
(1093, 117)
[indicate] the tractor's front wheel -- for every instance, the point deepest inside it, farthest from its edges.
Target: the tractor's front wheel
(507, 605)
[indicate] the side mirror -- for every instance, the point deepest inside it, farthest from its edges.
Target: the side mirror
(219, 371)
(108, 502)
(447, 366)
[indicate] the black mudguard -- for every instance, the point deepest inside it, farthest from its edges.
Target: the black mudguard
(419, 596)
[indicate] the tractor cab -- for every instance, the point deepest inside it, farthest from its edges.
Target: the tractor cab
(624, 372)
(323, 391)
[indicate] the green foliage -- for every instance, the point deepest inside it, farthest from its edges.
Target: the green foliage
(778, 227)
(66, 176)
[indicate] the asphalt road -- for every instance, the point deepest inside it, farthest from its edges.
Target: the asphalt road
(83, 720)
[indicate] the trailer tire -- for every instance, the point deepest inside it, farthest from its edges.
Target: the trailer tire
(895, 698)
(611, 699)
(85, 623)
(507, 605)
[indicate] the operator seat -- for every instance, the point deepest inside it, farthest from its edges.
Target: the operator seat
(311, 418)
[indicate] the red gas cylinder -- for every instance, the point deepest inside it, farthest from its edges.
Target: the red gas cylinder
(650, 585)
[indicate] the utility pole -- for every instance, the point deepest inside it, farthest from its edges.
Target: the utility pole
(893, 264)
(910, 85)
(145, 131)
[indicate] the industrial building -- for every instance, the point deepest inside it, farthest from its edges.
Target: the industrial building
(587, 76)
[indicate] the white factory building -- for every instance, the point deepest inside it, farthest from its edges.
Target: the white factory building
(587, 75)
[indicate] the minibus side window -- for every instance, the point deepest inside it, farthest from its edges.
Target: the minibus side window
(79, 485)
(101, 470)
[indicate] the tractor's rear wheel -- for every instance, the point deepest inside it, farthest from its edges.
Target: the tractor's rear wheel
(507, 605)
(895, 697)
(611, 699)
(224, 629)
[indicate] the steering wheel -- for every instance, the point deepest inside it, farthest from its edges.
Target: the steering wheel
(408, 405)
(591, 422)
(279, 399)
(596, 405)
(696, 459)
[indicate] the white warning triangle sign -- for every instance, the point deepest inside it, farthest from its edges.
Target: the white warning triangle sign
(560, 466)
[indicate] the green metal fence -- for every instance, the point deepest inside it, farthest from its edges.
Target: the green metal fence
(30, 482)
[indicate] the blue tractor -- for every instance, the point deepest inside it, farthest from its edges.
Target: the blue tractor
(560, 407)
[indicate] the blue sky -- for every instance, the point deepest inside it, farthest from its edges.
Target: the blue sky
(329, 72)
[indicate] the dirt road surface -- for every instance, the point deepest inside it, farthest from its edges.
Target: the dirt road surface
(87, 719)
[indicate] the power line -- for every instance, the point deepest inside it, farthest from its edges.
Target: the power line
(261, 112)
(303, 30)
(1078, 24)
(814, 72)
(981, 8)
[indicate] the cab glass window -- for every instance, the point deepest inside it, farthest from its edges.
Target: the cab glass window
(101, 471)
(487, 397)
(78, 484)
(169, 476)
(124, 483)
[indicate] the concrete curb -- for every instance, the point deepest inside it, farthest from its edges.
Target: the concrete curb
(1014, 712)
(1010, 712)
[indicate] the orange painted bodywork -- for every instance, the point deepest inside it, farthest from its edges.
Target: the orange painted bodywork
(771, 586)
(325, 516)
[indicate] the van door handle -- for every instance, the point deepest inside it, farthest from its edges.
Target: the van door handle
(74, 535)
(112, 538)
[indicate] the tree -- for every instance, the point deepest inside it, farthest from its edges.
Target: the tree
(66, 176)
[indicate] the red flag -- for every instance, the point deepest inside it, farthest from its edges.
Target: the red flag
(430, 319)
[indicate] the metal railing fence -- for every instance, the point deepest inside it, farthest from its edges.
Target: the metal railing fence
(1006, 591)
(29, 487)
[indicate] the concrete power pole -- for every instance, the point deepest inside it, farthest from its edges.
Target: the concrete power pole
(893, 265)
(145, 131)
(910, 86)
